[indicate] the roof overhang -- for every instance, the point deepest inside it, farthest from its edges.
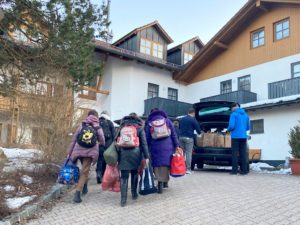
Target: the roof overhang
(272, 103)
(125, 54)
(155, 24)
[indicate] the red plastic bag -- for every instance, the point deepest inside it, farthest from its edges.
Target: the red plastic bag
(111, 179)
(178, 167)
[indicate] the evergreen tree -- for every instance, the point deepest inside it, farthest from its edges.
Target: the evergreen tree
(56, 35)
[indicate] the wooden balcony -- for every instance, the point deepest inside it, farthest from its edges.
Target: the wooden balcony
(172, 107)
(241, 97)
(284, 88)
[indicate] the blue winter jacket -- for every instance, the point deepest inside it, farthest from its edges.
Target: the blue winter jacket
(239, 123)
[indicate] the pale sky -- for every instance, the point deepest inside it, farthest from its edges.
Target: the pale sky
(182, 19)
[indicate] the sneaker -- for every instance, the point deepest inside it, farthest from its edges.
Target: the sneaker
(189, 172)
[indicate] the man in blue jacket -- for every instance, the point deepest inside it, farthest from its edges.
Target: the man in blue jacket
(239, 124)
(187, 126)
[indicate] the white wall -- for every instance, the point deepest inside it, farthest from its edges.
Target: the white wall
(277, 123)
(130, 85)
(261, 75)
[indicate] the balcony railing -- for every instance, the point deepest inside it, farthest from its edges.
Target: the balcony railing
(171, 107)
(284, 88)
(241, 97)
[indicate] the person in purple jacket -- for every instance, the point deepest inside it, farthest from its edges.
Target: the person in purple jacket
(87, 156)
(161, 149)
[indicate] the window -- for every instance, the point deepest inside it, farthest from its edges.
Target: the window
(89, 90)
(282, 29)
(152, 90)
(258, 38)
(145, 46)
(226, 86)
(157, 50)
(295, 69)
(172, 94)
(151, 48)
(187, 57)
(244, 83)
(257, 126)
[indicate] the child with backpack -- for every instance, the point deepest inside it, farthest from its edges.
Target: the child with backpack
(84, 147)
(162, 141)
(109, 135)
(132, 148)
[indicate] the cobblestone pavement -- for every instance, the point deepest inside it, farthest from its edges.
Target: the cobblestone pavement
(205, 197)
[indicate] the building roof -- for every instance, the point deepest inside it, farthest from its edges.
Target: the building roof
(194, 39)
(136, 30)
(271, 103)
(125, 54)
(219, 43)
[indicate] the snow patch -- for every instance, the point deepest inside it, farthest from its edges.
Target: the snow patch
(271, 101)
(259, 166)
(14, 203)
(21, 153)
(26, 179)
(9, 188)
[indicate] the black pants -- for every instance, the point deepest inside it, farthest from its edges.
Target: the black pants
(125, 173)
(239, 146)
(101, 164)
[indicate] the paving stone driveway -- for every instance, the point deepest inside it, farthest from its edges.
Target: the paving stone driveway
(205, 197)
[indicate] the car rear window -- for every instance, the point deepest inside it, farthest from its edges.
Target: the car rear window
(214, 110)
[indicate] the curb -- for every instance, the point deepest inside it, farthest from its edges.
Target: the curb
(31, 210)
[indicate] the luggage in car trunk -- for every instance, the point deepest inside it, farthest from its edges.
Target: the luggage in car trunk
(209, 139)
(227, 141)
(219, 141)
(199, 140)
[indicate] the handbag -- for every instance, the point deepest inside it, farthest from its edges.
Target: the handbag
(111, 155)
(178, 167)
(147, 184)
(111, 179)
(68, 174)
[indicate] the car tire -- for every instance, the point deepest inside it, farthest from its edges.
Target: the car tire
(200, 165)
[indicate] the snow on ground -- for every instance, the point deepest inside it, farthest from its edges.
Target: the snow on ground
(9, 188)
(14, 203)
(26, 179)
(259, 166)
(20, 153)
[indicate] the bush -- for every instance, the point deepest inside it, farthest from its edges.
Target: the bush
(294, 141)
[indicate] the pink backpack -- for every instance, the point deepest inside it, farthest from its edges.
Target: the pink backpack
(128, 137)
(159, 129)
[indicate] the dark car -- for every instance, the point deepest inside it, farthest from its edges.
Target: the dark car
(212, 116)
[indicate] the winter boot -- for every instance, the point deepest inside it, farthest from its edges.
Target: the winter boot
(77, 198)
(160, 187)
(85, 189)
(165, 185)
(98, 177)
(124, 187)
(134, 183)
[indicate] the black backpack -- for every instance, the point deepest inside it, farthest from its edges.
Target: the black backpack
(87, 136)
(105, 125)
